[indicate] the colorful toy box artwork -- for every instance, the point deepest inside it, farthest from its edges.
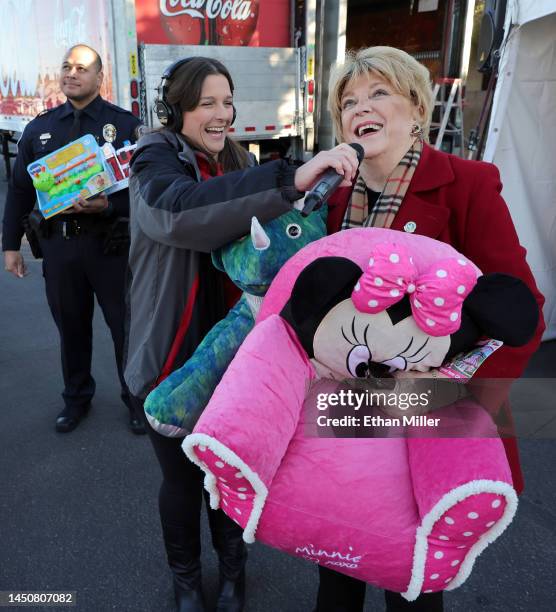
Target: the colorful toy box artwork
(119, 162)
(77, 170)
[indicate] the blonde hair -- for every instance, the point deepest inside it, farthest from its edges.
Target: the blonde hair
(404, 73)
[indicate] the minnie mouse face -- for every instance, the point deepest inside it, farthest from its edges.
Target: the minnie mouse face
(415, 321)
(353, 344)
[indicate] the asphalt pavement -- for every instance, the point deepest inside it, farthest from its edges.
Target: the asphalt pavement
(78, 511)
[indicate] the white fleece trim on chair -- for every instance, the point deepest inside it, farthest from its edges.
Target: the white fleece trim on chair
(227, 455)
(170, 431)
(254, 302)
(449, 500)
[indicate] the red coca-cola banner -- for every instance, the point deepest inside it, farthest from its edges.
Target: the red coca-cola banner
(253, 23)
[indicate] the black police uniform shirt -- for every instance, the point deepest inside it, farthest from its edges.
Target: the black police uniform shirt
(49, 131)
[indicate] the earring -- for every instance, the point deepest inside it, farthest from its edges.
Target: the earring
(416, 131)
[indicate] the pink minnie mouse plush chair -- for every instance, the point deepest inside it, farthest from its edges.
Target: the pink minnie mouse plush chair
(407, 514)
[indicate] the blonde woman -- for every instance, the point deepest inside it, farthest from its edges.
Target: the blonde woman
(381, 98)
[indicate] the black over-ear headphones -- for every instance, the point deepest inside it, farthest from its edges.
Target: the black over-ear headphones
(166, 112)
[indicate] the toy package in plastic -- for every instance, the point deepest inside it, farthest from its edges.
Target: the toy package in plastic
(118, 160)
(77, 170)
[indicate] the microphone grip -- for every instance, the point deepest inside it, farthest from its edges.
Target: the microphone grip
(317, 196)
(326, 186)
(309, 204)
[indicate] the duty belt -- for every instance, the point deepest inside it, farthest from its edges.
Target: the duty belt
(75, 227)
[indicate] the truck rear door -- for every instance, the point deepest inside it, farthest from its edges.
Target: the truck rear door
(266, 80)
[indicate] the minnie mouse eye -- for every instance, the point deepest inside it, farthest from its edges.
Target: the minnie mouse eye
(293, 230)
(358, 361)
(397, 363)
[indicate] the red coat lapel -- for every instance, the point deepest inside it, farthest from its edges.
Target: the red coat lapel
(417, 214)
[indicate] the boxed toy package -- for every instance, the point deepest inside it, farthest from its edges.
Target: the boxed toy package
(118, 160)
(80, 169)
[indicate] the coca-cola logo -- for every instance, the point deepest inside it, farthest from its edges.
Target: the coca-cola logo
(238, 10)
(210, 22)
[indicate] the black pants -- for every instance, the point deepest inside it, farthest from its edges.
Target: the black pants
(341, 593)
(75, 270)
(180, 501)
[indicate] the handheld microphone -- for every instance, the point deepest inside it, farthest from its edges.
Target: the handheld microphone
(327, 185)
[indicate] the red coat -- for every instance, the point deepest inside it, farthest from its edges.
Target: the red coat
(458, 202)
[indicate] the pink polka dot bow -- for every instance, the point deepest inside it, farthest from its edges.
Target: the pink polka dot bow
(436, 296)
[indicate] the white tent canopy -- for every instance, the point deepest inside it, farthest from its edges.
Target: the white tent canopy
(522, 137)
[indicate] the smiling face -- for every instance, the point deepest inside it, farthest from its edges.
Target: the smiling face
(374, 115)
(349, 343)
(80, 77)
(208, 124)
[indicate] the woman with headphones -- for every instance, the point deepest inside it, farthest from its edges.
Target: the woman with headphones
(192, 189)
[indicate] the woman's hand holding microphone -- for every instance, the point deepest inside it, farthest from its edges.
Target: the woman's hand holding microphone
(342, 159)
(330, 169)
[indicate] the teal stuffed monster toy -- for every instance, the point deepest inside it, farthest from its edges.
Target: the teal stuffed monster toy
(251, 262)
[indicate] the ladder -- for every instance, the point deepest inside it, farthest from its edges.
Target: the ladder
(448, 115)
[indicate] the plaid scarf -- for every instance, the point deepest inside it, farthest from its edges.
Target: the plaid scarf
(386, 207)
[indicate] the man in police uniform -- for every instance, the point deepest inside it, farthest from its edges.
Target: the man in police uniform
(78, 262)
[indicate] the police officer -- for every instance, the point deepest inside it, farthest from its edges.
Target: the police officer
(78, 262)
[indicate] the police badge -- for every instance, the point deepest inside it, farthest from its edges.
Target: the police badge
(109, 132)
